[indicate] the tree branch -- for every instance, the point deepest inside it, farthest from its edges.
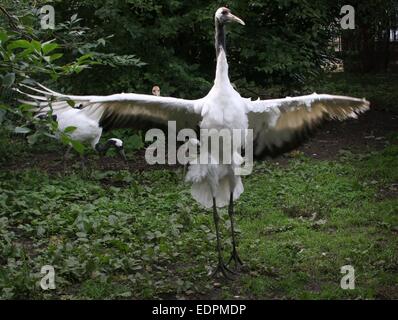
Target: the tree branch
(9, 17)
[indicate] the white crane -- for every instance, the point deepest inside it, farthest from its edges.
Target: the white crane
(87, 125)
(275, 124)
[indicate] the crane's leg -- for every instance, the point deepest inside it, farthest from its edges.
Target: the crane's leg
(83, 163)
(68, 150)
(65, 157)
(184, 171)
(221, 267)
(234, 255)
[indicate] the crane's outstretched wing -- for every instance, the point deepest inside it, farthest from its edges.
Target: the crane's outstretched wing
(120, 110)
(280, 125)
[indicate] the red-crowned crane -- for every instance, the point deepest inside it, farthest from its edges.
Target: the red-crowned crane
(87, 125)
(275, 124)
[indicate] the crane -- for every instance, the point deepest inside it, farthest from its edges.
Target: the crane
(276, 123)
(87, 125)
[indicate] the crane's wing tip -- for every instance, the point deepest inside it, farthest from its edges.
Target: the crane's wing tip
(366, 104)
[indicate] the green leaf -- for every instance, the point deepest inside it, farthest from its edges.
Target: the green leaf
(48, 47)
(84, 57)
(21, 130)
(52, 136)
(55, 56)
(74, 17)
(65, 139)
(18, 44)
(71, 103)
(25, 107)
(8, 80)
(36, 45)
(81, 234)
(78, 146)
(3, 36)
(126, 294)
(32, 139)
(70, 129)
(28, 81)
(41, 231)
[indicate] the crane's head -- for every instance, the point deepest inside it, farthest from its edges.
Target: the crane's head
(118, 145)
(224, 15)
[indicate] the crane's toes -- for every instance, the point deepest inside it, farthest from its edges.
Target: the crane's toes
(237, 260)
(223, 270)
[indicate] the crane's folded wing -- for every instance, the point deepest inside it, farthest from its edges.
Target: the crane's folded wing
(280, 125)
(121, 110)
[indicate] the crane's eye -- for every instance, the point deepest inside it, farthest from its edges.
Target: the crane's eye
(224, 12)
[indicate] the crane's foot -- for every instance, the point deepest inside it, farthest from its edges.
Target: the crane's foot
(223, 270)
(237, 260)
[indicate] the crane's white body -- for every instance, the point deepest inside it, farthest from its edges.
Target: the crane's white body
(223, 108)
(87, 129)
(86, 122)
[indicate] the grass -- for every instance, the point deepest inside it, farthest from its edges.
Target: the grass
(124, 235)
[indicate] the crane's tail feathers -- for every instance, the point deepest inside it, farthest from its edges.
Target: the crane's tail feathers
(201, 192)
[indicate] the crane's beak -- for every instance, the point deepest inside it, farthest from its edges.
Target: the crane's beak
(236, 19)
(123, 155)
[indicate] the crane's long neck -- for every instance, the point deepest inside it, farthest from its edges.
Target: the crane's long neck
(103, 148)
(222, 64)
(220, 38)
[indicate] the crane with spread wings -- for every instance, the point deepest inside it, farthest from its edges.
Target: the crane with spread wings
(276, 123)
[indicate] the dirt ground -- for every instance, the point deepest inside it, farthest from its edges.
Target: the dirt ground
(369, 132)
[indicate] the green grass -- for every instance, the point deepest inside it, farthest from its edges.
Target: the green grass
(141, 235)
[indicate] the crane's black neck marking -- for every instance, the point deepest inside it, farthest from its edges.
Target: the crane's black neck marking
(102, 148)
(220, 37)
